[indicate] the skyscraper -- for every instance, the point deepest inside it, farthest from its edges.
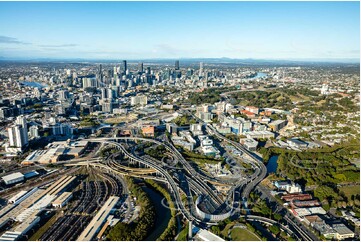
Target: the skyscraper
(63, 95)
(201, 69)
(100, 73)
(107, 107)
(22, 121)
(125, 66)
(140, 67)
(34, 131)
(103, 93)
(177, 64)
(18, 137)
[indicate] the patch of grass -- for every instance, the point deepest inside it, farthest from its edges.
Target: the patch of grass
(238, 234)
(226, 230)
(183, 234)
(350, 190)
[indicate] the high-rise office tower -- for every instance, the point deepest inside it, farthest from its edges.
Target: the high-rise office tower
(106, 93)
(17, 136)
(100, 72)
(34, 131)
(125, 66)
(201, 68)
(148, 70)
(140, 67)
(63, 95)
(110, 93)
(89, 82)
(103, 93)
(22, 121)
(177, 64)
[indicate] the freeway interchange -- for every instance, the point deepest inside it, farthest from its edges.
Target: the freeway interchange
(191, 180)
(185, 180)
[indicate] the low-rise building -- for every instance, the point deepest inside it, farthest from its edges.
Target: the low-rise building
(249, 143)
(297, 143)
(205, 235)
(342, 232)
(329, 229)
(288, 186)
(293, 188)
(277, 124)
(252, 109)
(210, 151)
(205, 140)
(13, 178)
(148, 131)
(281, 185)
(259, 134)
(62, 200)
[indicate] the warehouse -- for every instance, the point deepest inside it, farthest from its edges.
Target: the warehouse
(31, 174)
(62, 200)
(205, 235)
(13, 178)
(17, 197)
(10, 236)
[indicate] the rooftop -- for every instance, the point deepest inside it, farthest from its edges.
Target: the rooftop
(206, 235)
(13, 176)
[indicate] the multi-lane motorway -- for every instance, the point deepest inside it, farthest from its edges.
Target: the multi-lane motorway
(194, 179)
(239, 192)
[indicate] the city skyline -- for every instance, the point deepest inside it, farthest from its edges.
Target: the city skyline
(166, 30)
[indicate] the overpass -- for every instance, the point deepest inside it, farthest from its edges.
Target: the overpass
(261, 170)
(198, 178)
(173, 186)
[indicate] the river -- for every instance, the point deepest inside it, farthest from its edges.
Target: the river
(163, 214)
(272, 164)
(259, 75)
(33, 84)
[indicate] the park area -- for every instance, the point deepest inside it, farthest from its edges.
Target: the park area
(240, 234)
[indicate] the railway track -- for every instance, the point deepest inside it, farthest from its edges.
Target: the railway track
(93, 195)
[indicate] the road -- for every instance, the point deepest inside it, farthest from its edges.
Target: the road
(299, 229)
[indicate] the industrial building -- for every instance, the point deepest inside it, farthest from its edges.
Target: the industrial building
(17, 196)
(13, 178)
(205, 235)
(62, 200)
(291, 197)
(55, 151)
(27, 206)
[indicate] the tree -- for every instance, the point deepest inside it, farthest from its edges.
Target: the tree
(215, 229)
(274, 229)
(277, 216)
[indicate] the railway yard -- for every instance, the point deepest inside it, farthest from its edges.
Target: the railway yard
(78, 199)
(81, 198)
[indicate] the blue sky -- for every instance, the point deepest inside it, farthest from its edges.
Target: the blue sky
(136, 30)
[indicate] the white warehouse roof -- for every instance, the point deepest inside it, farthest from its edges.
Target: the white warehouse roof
(12, 177)
(206, 235)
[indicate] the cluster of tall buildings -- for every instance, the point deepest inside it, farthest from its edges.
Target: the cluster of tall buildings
(18, 134)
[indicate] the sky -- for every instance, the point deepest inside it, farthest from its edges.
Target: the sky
(141, 30)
